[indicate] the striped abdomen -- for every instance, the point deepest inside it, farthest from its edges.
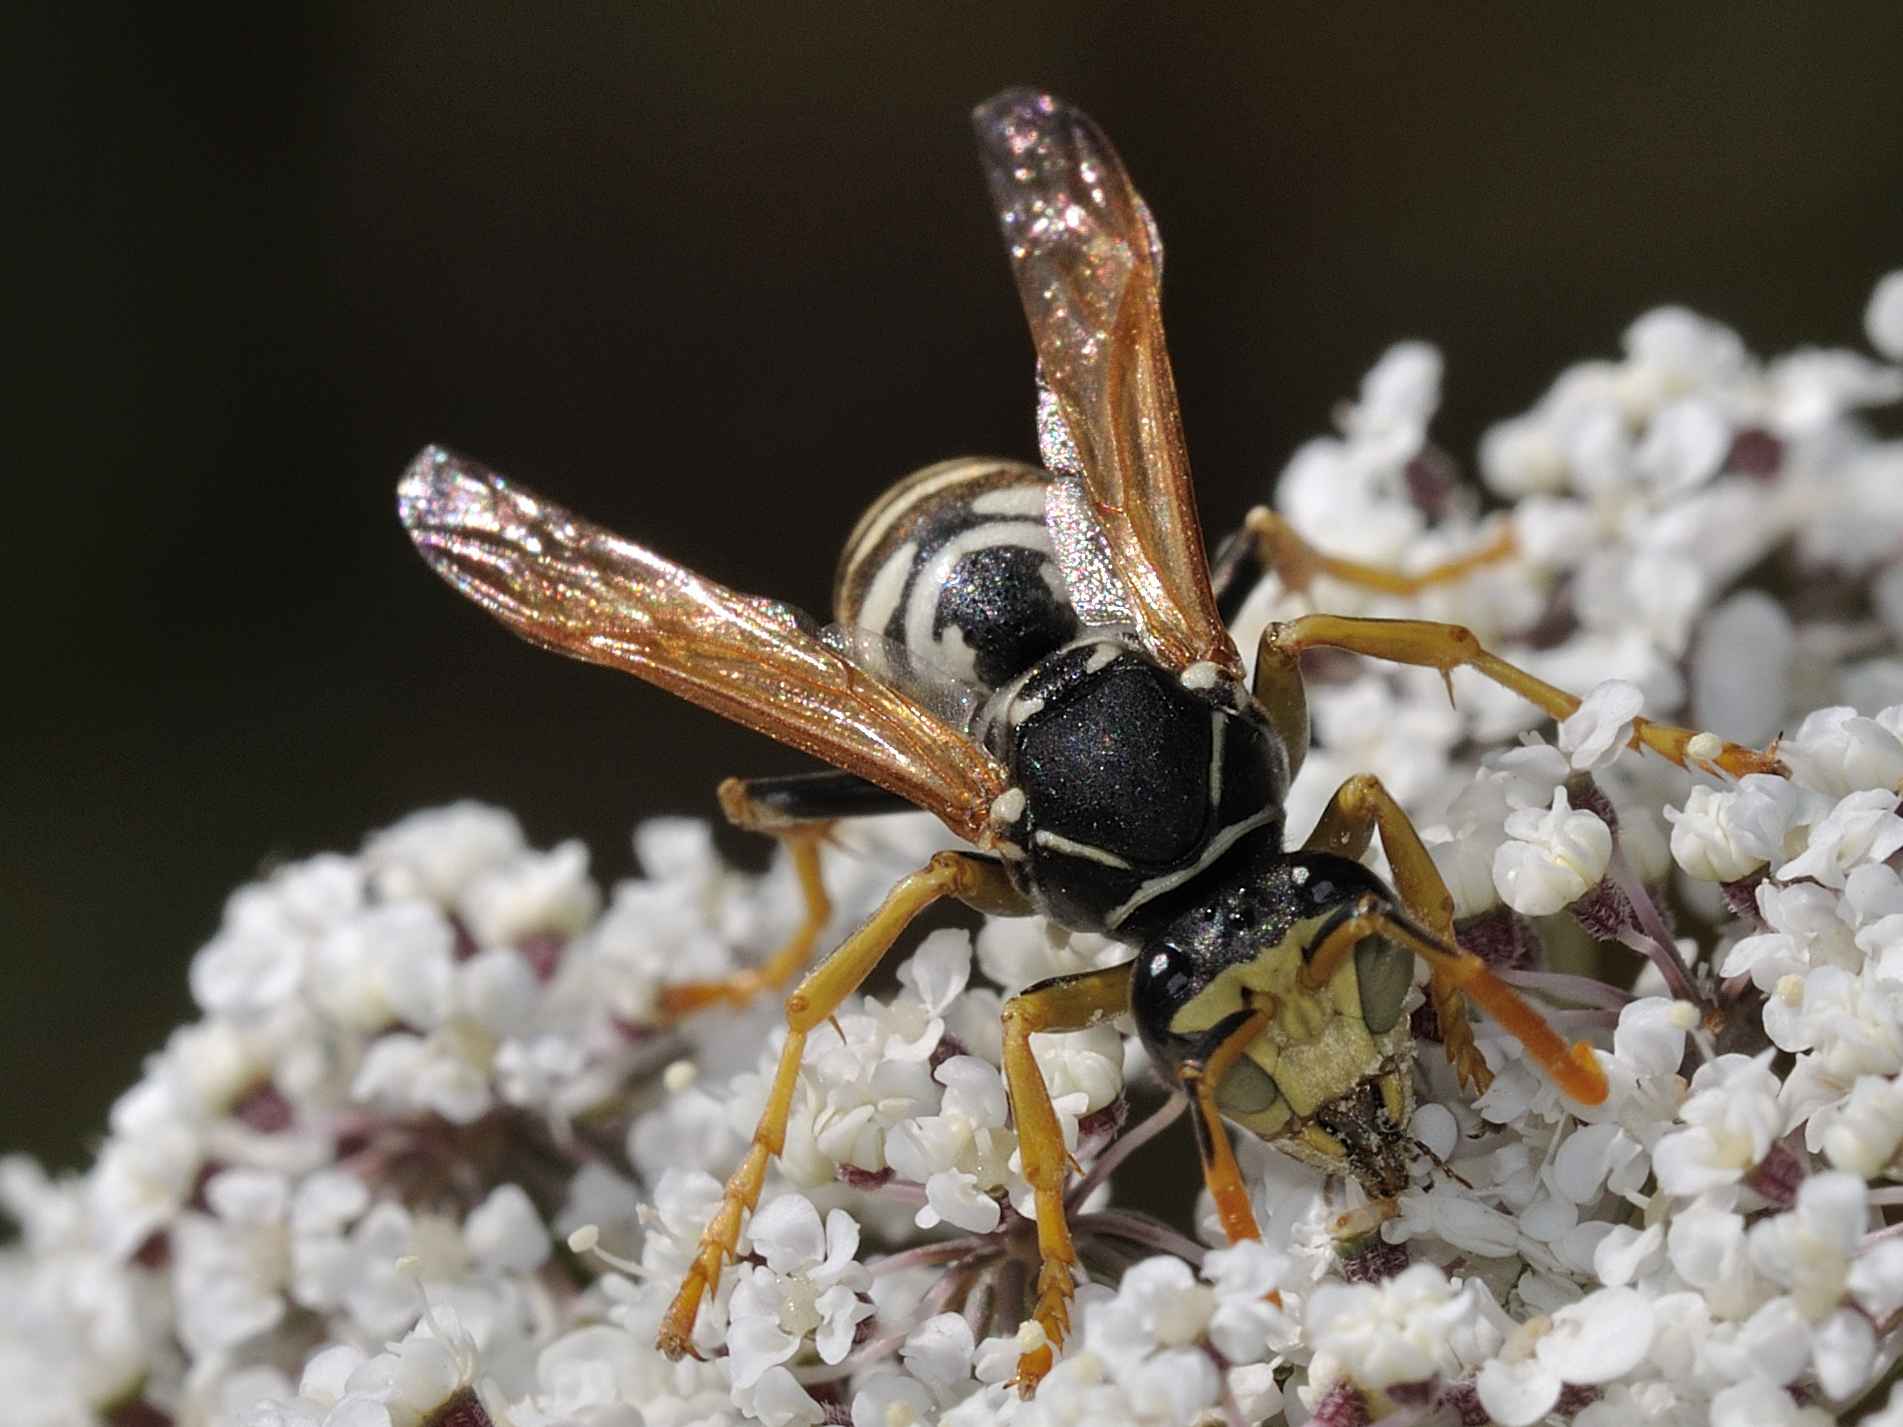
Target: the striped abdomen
(955, 564)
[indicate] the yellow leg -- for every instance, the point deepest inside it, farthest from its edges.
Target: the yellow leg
(1450, 646)
(685, 997)
(1202, 1078)
(1279, 548)
(1066, 1003)
(1283, 696)
(1359, 807)
(949, 874)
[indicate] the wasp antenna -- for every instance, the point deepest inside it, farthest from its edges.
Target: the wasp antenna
(1575, 1068)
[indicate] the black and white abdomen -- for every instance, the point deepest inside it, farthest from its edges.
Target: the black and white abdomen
(955, 564)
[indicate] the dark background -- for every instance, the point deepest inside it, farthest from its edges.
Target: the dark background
(715, 276)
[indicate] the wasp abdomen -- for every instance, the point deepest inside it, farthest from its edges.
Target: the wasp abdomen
(955, 564)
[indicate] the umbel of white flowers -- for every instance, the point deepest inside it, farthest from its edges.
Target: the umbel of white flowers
(427, 1157)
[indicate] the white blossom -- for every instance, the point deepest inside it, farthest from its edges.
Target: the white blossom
(1883, 318)
(1550, 858)
(333, 1199)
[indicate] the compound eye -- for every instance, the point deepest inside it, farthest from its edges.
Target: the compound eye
(1246, 1090)
(1385, 973)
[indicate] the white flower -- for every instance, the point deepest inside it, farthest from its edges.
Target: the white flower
(1863, 1133)
(1684, 445)
(941, 1353)
(1862, 827)
(1838, 751)
(1883, 318)
(408, 1057)
(888, 1399)
(1741, 669)
(413, 1378)
(1551, 858)
(435, 854)
(532, 892)
(1734, 1118)
(231, 1266)
(811, 1284)
(1399, 393)
(1812, 387)
(589, 1374)
(1723, 835)
(961, 1152)
(1809, 1249)
(1378, 1334)
(1600, 1338)
(505, 1233)
(1759, 1402)
(1595, 733)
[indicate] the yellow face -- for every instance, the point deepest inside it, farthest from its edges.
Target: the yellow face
(1328, 1080)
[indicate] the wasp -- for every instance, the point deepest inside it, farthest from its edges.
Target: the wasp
(1040, 656)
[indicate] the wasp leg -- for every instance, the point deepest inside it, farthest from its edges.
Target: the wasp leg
(1447, 647)
(1201, 1077)
(684, 997)
(1575, 1069)
(1359, 807)
(772, 805)
(799, 810)
(1279, 689)
(977, 881)
(1268, 542)
(1064, 1003)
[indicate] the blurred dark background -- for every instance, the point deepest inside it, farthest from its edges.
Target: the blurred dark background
(715, 275)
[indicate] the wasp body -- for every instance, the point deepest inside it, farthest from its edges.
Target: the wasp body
(1039, 657)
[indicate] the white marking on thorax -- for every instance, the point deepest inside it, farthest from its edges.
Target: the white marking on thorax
(1021, 709)
(1201, 675)
(1008, 806)
(1057, 842)
(1170, 881)
(1101, 657)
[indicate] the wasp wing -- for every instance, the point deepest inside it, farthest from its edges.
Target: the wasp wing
(568, 585)
(1087, 263)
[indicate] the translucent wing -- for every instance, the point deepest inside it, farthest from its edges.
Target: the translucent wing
(1085, 256)
(573, 587)
(1097, 592)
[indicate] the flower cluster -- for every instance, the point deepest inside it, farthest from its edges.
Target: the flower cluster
(438, 1153)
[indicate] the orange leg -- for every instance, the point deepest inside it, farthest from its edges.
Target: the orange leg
(1360, 806)
(1202, 1078)
(1447, 647)
(685, 997)
(949, 874)
(1575, 1069)
(1281, 549)
(1064, 1003)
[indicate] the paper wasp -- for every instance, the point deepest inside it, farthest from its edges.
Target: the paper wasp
(1040, 658)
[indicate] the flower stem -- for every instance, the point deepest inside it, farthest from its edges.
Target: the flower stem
(1588, 989)
(1120, 1225)
(1126, 1145)
(1652, 938)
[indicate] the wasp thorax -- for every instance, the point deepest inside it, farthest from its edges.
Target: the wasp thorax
(1138, 786)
